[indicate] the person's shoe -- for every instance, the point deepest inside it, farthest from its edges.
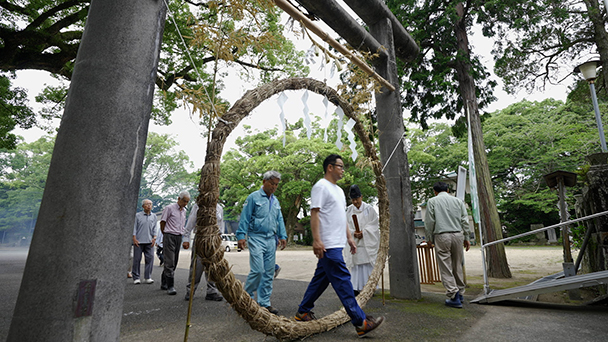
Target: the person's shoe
(171, 291)
(136, 281)
(276, 272)
(148, 281)
(461, 297)
(454, 302)
(164, 287)
(214, 296)
(305, 316)
(187, 296)
(129, 275)
(272, 310)
(368, 325)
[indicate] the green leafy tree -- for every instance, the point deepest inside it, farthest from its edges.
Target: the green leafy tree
(164, 172)
(525, 141)
(538, 42)
(446, 79)
(23, 174)
(14, 112)
(45, 35)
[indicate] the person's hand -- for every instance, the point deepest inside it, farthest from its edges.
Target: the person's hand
(358, 235)
(242, 243)
(186, 245)
(283, 244)
(353, 246)
(153, 241)
(318, 248)
(467, 245)
(135, 242)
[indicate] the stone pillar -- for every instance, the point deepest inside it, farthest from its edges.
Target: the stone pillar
(403, 264)
(595, 200)
(74, 279)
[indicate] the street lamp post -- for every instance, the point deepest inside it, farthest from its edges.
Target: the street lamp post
(588, 69)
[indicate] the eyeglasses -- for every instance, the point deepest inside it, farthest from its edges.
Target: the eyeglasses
(339, 166)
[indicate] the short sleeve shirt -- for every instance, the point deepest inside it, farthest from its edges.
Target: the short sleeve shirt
(330, 200)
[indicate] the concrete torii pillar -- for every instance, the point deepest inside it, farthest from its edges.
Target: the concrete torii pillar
(74, 279)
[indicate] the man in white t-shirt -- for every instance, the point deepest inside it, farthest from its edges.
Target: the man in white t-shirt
(330, 234)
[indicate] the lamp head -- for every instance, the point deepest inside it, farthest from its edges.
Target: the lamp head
(588, 69)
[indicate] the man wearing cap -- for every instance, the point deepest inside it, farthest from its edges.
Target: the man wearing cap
(446, 224)
(366, 232)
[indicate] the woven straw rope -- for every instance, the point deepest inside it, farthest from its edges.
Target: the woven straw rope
(208, 241)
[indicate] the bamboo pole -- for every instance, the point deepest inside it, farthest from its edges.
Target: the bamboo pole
(292, 11)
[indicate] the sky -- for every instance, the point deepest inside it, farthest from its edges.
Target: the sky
(188, 133)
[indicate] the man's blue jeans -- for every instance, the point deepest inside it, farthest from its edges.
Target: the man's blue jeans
(331, 269)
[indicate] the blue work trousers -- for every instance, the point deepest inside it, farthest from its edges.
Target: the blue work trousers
(262, 252)
(331, 269)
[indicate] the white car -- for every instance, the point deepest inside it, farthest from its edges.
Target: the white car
(229, 242)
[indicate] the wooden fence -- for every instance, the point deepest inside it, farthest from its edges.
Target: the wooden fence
(427, 264)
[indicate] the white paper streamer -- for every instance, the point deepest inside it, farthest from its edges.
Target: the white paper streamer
(306, 114)
(351, 138)
(326, 104)
(281, 101)
(340, 114)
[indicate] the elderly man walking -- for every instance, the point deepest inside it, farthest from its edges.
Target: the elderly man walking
(172, 225)
(446, 224)
(261, 221)
(144, 237)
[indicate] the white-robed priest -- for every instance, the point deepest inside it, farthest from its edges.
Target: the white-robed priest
(367, 237)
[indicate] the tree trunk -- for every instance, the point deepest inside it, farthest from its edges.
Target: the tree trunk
(74, 279)
(496, 258)
(601, 36)
(403, 263)
(595, 200)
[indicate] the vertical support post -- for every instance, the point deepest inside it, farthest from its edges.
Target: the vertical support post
(74, 279)
(403, 266)
(598, 117)
(563, 213)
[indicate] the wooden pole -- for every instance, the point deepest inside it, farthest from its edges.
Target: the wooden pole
(292, 11)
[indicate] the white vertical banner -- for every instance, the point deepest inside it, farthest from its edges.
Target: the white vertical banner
(461, 184)
(472, 175)
(281, 101)
(306, 114)
(351, 138)
(340, 114)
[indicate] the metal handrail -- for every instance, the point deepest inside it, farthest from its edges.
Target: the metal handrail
(483, 246)
(545, 228)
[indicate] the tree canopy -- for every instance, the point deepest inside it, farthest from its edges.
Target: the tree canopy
(45, 35)
(525, 141)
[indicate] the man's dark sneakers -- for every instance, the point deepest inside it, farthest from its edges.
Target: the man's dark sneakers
(214, 296)
(272, 310)
(305, 316)
(454, 302)
(370, 323)
(171, 291)
(164, 287)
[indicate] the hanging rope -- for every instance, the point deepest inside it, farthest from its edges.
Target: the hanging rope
(402, 139)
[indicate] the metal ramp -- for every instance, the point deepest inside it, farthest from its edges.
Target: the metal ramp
(561, 284)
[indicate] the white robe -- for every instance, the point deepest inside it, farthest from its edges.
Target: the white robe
(362, 263)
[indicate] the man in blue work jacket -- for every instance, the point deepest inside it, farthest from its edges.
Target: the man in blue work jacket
(261, 221)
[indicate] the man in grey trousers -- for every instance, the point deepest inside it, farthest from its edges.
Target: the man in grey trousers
(144, 238)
